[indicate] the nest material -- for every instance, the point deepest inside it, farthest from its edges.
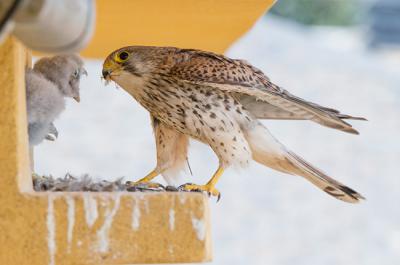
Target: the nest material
(70, 183)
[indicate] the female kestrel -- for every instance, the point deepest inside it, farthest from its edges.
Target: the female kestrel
(218, 101)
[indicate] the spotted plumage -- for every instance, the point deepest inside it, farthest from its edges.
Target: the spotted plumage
(218, 101)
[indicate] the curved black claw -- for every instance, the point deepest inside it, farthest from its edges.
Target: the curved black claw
(218, 197)
(184, 188)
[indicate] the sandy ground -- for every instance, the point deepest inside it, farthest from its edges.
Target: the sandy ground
(265, 217)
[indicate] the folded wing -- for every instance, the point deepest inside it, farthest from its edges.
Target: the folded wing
(253, 89)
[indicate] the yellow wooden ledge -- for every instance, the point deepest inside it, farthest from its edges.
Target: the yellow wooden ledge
(84, 228)
(105, 228)
(109, 228)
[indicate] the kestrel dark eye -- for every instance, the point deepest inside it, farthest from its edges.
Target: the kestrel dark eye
(123, 56)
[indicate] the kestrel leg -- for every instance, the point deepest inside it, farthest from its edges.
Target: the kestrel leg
(171, 154)
(224, 135)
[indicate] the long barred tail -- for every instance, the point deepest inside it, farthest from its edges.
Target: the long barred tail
(324, 182)
(269, 152)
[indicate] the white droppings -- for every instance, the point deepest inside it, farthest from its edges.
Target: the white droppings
(200, 227)
(71, 220)
(116, 255)
(135, 215)
(90, 204)
(102, 234)
(170, 249)
(146, 206)
(51, 230)
(182, 197)
(171, 219)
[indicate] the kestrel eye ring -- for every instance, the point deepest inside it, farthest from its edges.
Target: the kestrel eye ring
(122, 56)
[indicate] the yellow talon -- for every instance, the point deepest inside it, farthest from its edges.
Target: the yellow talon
(145, 185)
(201, 188)
(146, 181)
(154, 173)
(209, 187)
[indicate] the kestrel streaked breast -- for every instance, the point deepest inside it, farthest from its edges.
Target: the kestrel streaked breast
(218, 101)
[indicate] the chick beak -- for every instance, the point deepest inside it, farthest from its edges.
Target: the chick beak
(77, 98)
(84, 72)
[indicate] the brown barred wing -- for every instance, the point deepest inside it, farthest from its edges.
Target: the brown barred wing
(252, 88)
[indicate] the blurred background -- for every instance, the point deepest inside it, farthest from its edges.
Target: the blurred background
(343, 54)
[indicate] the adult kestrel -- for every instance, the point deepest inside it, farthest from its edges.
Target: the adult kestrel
(218, 101)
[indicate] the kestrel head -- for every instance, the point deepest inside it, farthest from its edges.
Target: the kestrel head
(132, 62)
(63, 70)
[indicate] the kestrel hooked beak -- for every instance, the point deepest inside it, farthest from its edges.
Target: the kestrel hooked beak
(113, 67)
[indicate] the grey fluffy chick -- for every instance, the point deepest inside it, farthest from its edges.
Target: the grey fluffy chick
(47, 85)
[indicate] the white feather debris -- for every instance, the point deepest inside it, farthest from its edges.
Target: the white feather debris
(86, 183)
(72, 184)
(102, 234)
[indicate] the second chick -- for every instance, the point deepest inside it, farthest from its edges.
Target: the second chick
(50, 81)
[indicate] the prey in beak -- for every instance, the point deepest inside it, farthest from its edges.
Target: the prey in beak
(106, 74)
(110, 69)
